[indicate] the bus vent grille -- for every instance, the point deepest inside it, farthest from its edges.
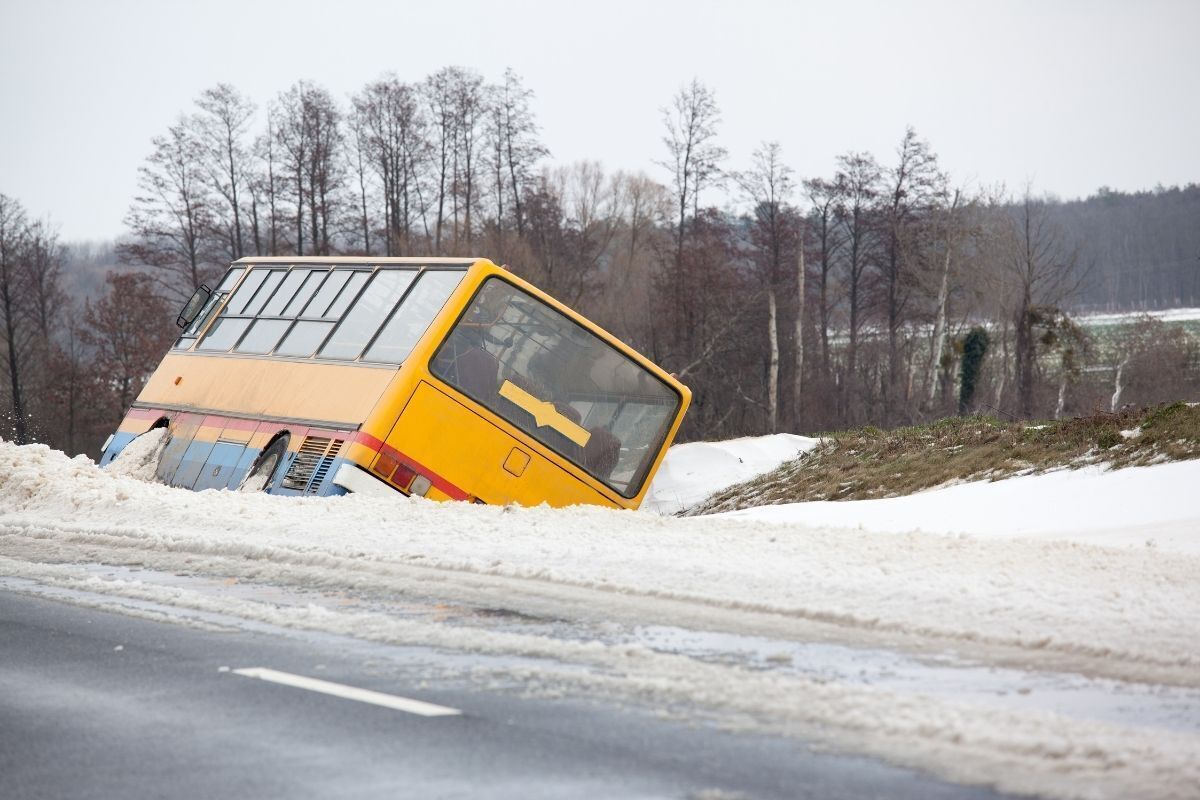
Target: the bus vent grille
(305, 463)
(323, 468)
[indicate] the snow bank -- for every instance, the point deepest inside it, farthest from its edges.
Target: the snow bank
(139, 458)
(1154, 506)
(1038, 602)
(692, 472)
(1037, 595)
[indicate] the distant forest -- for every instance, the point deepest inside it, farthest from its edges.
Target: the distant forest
(885, 292)
(1143, 249)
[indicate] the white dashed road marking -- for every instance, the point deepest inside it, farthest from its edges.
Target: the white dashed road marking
(392, 701)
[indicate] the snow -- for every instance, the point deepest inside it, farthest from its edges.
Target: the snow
(1126, 317)
(691, 472)
(139, 458)
(1155, 506)
(1019, 573)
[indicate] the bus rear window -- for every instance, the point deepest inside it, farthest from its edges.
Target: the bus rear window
(560, 383)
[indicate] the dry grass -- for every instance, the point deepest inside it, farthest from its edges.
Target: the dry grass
(869, 463)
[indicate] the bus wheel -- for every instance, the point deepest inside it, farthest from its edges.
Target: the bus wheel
(259, 477)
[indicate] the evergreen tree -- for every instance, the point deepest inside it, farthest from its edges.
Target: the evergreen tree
(975, 346)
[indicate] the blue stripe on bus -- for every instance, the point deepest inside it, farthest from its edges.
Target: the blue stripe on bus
(118, 443)
(194, 464)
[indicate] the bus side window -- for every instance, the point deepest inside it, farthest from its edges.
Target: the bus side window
(408, 324)
(329, 290)
(369, 311)
(305, 293)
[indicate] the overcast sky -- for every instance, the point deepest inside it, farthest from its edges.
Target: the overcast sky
(1068, 95)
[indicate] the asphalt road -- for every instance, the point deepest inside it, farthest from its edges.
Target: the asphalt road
(95, 704)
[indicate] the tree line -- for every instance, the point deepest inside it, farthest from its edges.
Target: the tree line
(881, 293)
(70, 369)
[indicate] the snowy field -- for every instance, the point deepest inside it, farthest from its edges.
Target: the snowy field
(1126, 317)
(1151, 507)
(1048, 624)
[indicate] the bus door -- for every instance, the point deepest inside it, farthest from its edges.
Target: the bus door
(198, 452)
(226, 456)
(182, 431)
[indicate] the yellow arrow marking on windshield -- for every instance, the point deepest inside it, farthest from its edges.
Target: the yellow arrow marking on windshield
(544, 413)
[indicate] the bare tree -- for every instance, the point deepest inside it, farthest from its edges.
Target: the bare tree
(952, 230)
(456, 100)
(470, 109)
(858, 179)
(128, 330)
(171, 219)
(221, 129)
(573, 217)
(1043, 274)
(512, 136)
(801, 305)
(546, 231)
(308, 129)
(31, 299)
(396, 136)
(914, 184)
(825, 197)
(266, 188)
(358, 145)
(324, 166)
(590, 201)
(17, 335)
(708, 333)
(768, 184)
(694, 157)
(1155, 360)
(439, 91)
(41, 269)
(643, 209)
(71, 394)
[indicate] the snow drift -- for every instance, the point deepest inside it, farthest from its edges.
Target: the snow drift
(1047, 602)
(691, 472)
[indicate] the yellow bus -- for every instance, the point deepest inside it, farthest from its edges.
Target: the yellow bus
(450, 379)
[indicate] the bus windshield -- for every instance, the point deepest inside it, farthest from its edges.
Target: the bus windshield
(560, 383)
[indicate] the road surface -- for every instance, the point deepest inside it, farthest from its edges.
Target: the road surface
(96, 704)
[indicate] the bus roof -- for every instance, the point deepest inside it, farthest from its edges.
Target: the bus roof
(409, 260)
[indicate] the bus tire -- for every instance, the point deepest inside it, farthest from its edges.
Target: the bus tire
(259, 476)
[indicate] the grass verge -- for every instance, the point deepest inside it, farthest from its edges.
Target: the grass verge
(869, 463)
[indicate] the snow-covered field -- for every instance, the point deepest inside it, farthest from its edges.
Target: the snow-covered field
(1150, 507)
(1125, 317)
(1017, 578)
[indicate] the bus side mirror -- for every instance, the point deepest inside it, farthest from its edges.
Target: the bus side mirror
(192, 308)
